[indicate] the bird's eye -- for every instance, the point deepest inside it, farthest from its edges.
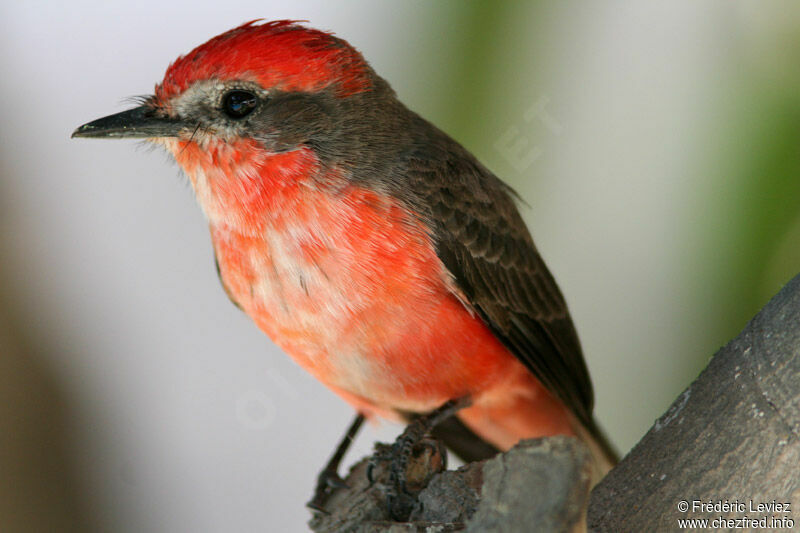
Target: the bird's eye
(239, 104)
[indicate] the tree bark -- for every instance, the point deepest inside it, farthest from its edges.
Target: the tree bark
(732, 436)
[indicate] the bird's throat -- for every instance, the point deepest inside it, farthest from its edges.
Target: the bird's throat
(240, 185)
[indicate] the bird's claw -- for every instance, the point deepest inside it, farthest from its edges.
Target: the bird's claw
(415, 458)
(382, 454)
(327, 482)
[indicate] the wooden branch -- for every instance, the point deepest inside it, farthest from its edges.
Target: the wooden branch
(539, 485)
(733, 435)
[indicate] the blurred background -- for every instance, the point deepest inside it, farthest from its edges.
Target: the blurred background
(657, 145)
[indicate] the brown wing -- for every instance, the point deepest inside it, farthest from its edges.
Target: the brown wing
(483, 242)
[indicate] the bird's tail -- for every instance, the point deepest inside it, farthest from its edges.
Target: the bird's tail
(603, 452)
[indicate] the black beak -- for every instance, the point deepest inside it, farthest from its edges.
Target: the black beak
(138, 123)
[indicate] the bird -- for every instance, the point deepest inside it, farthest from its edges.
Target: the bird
(370, 246)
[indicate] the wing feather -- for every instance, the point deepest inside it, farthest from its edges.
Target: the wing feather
(485, 245)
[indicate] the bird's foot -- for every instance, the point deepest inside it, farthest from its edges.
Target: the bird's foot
(405, 468)
(414, 461)
(327, 481)
(401, 469)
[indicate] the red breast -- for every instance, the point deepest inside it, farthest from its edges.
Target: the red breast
(343, 279)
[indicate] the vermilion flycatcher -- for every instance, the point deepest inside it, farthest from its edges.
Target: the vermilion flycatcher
(370, 246)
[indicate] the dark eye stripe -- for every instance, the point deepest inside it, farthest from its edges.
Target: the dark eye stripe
(237, 104)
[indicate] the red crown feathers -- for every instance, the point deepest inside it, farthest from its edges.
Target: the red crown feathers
(281, 54)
